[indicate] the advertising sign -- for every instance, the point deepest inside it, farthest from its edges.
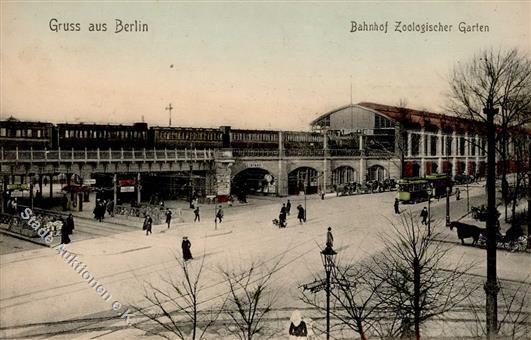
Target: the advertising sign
(18, 187)
(127, 189)
(127, 182)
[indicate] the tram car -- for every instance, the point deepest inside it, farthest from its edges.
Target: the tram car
(25, 135)
(439, 183)
(413, 190)
(103, 136)
(185, 138)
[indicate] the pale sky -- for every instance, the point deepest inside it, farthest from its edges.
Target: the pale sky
(246, 64)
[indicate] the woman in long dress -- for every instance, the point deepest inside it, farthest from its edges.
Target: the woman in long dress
(64, 233)
(186, 245)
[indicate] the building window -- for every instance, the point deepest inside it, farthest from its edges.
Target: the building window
(449, 141)
(415, 144)
(433, 145)
(3, 132)
(461, 146)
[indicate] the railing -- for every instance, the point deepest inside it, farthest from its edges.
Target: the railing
(255, 153)
(100, 155)
(344, 152)
(167, 155)
(296, 153)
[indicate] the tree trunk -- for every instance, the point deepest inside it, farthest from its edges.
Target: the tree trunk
(515, 199)
(416, 296)
(528, 197)
(361, 331)
(491, 285)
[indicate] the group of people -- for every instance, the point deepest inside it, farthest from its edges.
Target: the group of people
(285, 212)
(101, 207)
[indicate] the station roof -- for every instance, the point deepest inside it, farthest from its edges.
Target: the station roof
(418, 118)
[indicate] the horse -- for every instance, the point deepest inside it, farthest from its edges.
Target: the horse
(466, 231)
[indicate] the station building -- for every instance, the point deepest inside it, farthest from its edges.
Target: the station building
(424, 142)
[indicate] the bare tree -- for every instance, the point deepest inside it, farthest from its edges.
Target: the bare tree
(514, 314)
(493, 87)
(353, 289)
(175, 309)
(495, 79)
(250, 298)
(416, 283)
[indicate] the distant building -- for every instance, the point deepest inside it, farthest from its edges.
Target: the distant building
(426, 142)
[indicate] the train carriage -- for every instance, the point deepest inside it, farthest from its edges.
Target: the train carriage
(25, 135)
(185, 137)
(103, 136)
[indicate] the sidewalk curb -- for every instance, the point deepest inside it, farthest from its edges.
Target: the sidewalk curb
(24, 238)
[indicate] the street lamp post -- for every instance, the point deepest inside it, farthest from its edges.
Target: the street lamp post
(430, 193)
(467, 198)
(328, 256)
(448, 190)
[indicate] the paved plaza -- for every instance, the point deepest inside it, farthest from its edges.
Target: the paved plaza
(42, 296)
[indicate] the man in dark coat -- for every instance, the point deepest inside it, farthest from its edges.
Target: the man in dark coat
(301, 214)
(148, 222)
(196, 213)
(397, 211)
(424, 215)
(219, 214)
(329, 238)
(70, 224)
(288, 207)
(282, 217)
(168, 217)
(186, 245)
(110, 208)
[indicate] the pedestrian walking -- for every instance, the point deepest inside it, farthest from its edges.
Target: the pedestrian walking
(168, 217)
(186, 246)
(457, 194)
(97, 211)
(64, 233)
(297, 327)
(14, 206)
(70, 224)
(110, 208)
(219, 214)
(322, 195)
(329, 238)
(397, 202)
(196, 213)
(148, 223)
(288, 207)
(282, 217)
(301, 214)
(424, 215)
